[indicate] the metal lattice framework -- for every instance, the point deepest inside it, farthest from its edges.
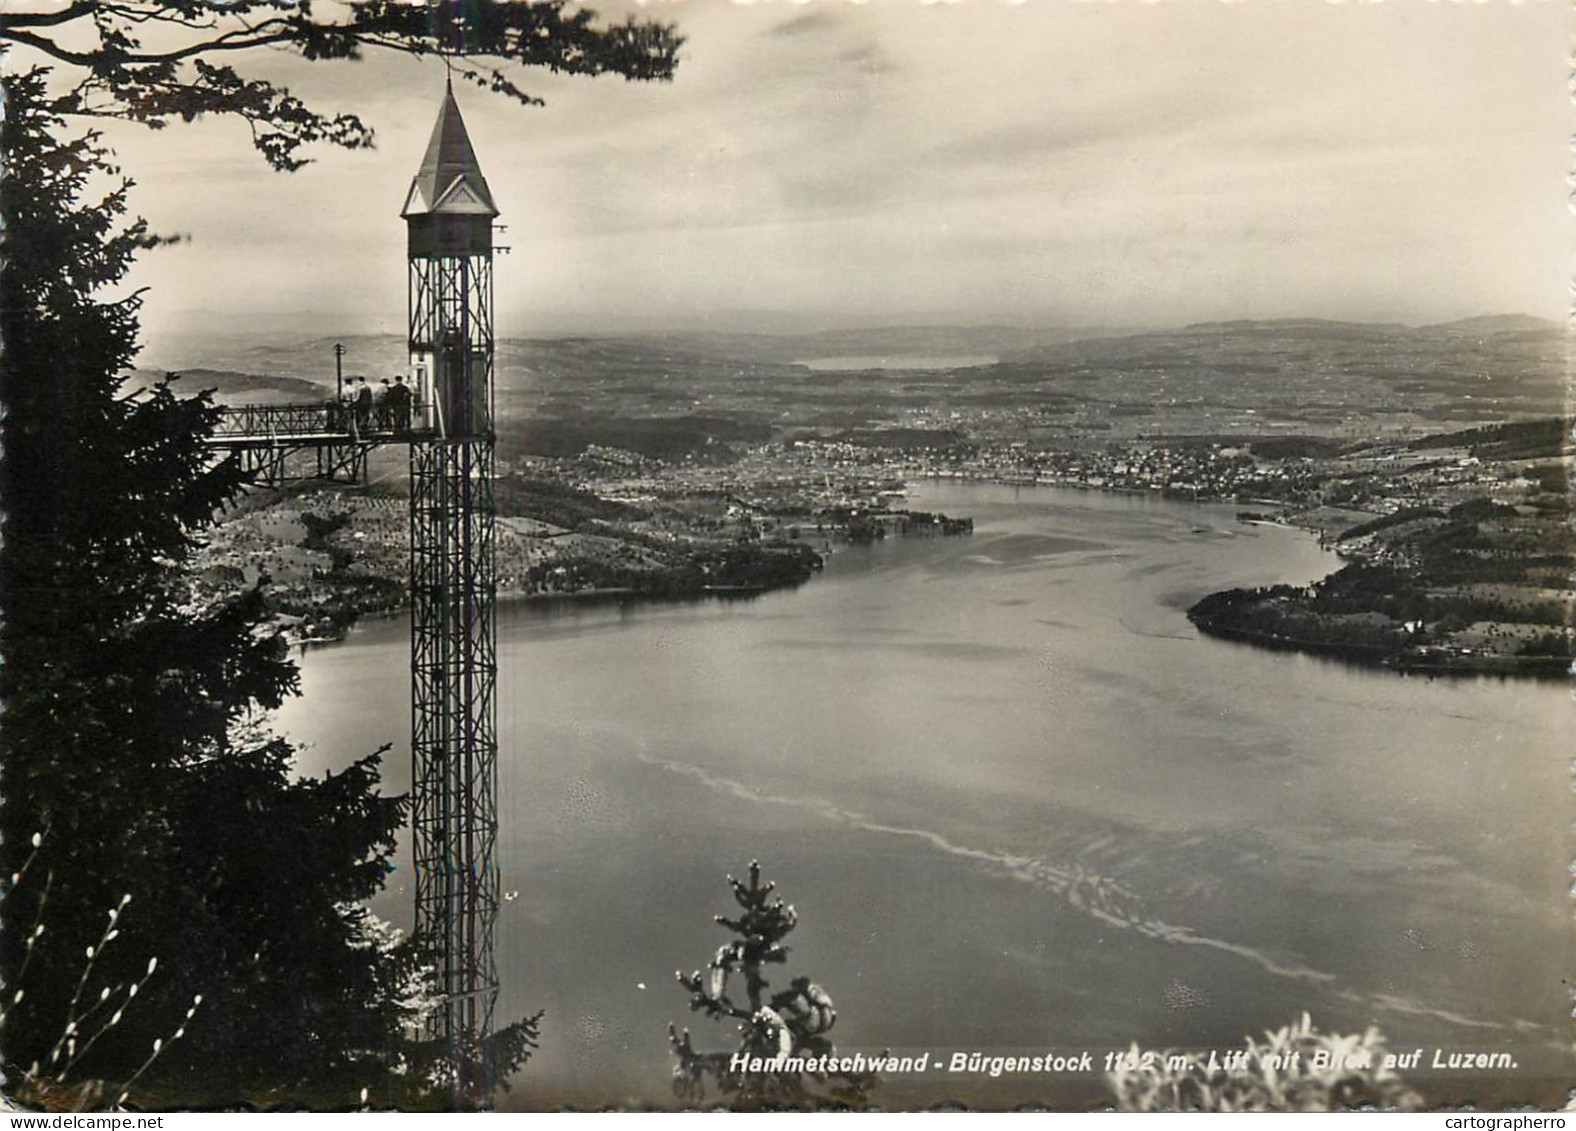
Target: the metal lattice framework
(273, 463)
(270, 421)
(454, 739)
(449, 216)
(278, 444)
(451, 303)
(453, 655)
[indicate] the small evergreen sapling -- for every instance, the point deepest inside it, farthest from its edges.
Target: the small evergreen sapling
(782, 1028)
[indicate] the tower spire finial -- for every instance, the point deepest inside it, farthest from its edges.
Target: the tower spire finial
(450, 178)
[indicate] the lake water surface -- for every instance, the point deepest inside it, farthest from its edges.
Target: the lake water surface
(1019, 803)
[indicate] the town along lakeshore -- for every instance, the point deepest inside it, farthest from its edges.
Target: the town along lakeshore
(1020, 804)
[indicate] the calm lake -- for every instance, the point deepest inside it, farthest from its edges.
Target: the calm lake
(1019, 804)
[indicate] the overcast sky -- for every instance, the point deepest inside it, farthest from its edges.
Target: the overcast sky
(1051, 162)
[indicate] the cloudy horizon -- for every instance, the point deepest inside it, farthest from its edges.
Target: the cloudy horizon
(1045, 163)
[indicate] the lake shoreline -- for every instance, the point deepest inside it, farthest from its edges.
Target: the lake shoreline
(956, 758)
(1377, 657)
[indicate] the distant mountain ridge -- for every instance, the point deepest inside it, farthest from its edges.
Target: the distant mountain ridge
(1498, 324)
(1479, 324)
(1317, 327)
(380, 355)
(233, 388)
(1507, 351)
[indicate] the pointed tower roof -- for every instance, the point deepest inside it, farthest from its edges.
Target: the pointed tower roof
(450, 179)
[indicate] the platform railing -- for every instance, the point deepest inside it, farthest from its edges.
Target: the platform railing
(323, 418)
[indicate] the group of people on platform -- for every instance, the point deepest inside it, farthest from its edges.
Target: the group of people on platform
(359, 411)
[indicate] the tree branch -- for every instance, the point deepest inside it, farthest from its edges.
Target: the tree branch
(76, 10)
(120, 77)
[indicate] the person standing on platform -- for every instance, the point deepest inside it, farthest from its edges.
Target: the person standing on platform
(399, 404)
(346, 407)
(364, 405)
(385, 414)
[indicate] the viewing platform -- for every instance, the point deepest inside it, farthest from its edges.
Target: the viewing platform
(326, 422)
(327, 440)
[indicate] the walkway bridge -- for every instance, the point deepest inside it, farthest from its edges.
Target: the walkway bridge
(284, 443)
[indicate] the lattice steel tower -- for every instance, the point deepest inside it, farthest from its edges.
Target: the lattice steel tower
(449, 214)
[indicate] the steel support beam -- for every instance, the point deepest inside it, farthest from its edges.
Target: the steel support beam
(453, 584)
(454, 740)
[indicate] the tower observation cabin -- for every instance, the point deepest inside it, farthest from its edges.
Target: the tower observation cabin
(449, 215)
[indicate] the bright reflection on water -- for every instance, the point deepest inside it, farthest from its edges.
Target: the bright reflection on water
(1019, 803)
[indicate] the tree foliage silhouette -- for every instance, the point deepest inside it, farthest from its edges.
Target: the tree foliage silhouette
(774, 1028)
(155, 62)
(126, 704)
(131, 735)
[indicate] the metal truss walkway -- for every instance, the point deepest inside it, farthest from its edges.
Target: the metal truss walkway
(327, 440)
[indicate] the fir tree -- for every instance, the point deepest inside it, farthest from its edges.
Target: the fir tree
(125, 744)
